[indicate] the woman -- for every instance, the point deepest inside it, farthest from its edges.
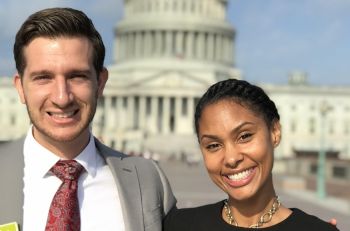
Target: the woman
(238, 128)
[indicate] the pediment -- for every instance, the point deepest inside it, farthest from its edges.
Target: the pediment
(169, 79)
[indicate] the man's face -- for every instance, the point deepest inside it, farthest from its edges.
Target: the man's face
(60, 88)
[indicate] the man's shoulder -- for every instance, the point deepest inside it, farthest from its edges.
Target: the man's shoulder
(108, 152)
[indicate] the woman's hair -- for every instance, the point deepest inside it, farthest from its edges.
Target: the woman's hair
(54, 23)
(242, 92)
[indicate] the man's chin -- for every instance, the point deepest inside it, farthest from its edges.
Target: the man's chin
(61, 135)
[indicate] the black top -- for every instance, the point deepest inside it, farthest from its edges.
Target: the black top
(208, 218)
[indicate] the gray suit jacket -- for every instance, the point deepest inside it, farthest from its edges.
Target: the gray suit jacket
(144, 191)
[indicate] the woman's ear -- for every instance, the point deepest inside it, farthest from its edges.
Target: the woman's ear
(276, 133)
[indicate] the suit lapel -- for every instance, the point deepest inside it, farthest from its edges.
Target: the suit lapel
(125, 176)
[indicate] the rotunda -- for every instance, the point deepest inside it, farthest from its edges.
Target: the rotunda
(166, 54)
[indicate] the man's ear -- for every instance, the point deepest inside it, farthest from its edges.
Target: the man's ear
(102, 79)
(17, 82)
(276, 133)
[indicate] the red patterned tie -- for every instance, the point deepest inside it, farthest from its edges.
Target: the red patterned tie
(64, 210)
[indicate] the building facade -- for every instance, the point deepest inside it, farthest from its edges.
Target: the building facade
(167, 53)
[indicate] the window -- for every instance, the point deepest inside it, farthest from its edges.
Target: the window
(293, 126)
(312, 125)
(331, 127)
(313, 169)
(346, 127)
(339, 171)
(13, 119)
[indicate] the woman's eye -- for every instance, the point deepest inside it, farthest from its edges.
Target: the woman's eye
(212, 147)
(245, 137)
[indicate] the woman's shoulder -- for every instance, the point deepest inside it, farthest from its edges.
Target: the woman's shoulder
(190, 218)
(309, 221)
(197, 212)
(203, 208)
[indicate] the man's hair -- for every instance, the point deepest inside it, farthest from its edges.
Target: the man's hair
(54, 23)
(251, 96)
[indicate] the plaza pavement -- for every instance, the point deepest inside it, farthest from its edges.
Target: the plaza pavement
(192, 187)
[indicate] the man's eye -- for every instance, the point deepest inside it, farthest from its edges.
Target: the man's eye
(41, 77)
(79, 76)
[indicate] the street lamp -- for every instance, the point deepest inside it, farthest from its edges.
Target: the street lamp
(321, 189)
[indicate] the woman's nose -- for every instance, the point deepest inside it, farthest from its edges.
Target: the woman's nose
(233, 156)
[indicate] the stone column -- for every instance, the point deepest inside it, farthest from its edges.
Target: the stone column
(131, 46)
(142, 112)
(226, 49)
(178, 114)
(210, 46)
(108, 112)
(158, 43)
(130, 112)
(179, 43)
(166, 115)
(119, 112)
(121, 49)
(168, 43)
(190, 113)
(117, 49)
(189, 44)
(231, 50)
(147, 45)
(218, 46)
(138, 44)
(152, 125)
(200, 46)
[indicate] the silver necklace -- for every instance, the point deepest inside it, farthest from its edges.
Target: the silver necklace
(265, 218)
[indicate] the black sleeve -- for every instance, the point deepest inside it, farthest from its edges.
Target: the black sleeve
(309, 222)
(178, 219)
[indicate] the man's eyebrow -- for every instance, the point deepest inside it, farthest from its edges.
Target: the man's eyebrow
(41, 72)
(74, 71)
(84, 71)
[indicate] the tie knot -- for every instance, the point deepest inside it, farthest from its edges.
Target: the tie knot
(67, 169)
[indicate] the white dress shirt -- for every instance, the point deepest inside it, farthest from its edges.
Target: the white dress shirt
(99, 202)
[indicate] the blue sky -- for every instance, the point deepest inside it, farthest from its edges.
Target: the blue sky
(274, 37)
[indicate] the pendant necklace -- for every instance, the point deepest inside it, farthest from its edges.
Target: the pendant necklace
(265, 218)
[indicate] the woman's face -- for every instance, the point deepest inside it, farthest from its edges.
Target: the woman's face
(237, 147)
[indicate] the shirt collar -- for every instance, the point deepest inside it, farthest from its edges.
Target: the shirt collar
(40, 160)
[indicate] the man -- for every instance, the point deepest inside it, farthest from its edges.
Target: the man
(59, 58)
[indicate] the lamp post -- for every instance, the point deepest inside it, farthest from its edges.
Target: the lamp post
(321, 189)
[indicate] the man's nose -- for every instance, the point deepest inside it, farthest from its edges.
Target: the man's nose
(61, 93)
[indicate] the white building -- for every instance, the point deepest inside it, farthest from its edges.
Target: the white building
(14, 121)
(312, 117)
(167, 53)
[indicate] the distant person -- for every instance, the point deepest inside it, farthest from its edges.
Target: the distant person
(60, 177)
(238, 128)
